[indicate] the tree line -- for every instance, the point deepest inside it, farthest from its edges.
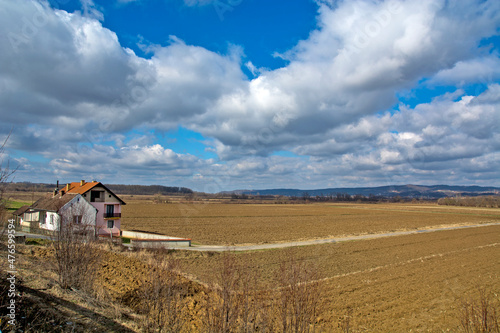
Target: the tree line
(491, 201)
(118, 189)
(148, 189)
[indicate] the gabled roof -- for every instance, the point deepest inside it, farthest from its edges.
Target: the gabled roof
(53, 203)
(77, 187)
(21, 210)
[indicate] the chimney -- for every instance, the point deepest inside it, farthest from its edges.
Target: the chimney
(57, 186)
(82, 182)
(67, 187)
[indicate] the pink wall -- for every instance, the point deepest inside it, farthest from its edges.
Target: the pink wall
(101, 223)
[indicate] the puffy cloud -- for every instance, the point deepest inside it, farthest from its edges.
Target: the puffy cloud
(143, 161)
(442, 132)
(60, 64)
(66, 82)
(351, 67)
(482, 70)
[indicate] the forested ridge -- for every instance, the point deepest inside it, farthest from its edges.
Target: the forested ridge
(116, 188)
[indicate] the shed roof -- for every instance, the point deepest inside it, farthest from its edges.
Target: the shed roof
(21, 210)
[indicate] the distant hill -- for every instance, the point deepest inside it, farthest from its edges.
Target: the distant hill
(406, 191)
(118, 189)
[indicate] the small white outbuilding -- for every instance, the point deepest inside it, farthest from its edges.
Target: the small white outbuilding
(54, 210)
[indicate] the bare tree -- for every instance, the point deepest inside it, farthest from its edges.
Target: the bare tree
(5, 175)
(222, 305)
(162, 295)
(299, 294)
(5, 171)
(158, 199)
(76, 253)
(253, 301)
(480, 315)
(247, 304)
(235, 302)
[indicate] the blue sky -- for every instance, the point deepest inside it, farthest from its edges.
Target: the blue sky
(262, 28)
(247, 94)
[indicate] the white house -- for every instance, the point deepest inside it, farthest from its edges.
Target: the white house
(19, 214)
(108, 205)
(53, 210)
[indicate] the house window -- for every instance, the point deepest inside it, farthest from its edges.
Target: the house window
(110, 211)
(33, 217)
(111, 224)
(96, 196)
(77, 219)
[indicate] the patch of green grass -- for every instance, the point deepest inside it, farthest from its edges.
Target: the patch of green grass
(13, 205)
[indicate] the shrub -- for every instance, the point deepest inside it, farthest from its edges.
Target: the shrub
(162, 294)
(480, 314)
(77, 257)
(298, 295)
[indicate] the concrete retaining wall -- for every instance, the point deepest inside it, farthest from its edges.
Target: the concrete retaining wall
(160, 243)
(147, 240)
(144, 235)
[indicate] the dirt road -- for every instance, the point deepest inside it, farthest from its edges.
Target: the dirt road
(324, 241)
(219, 248)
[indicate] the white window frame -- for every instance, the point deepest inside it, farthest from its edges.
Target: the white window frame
(77, 219)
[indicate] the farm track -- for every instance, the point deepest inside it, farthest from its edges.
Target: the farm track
(414, 282)
(265, 224)
(219, 248)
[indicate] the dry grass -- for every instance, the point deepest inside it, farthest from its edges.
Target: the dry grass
(43, 306)
(230, 224)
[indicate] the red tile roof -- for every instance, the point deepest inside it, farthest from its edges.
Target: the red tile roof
(78, 188)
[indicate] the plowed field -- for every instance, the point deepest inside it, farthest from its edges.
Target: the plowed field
(399, 284)
(230, 224)
(411, 283)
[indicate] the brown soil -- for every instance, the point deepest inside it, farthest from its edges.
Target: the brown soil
(399, 284)
(231, 224)
(44, 306)
(396, 284)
